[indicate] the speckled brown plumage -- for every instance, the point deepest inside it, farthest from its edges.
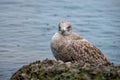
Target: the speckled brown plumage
(69, 46)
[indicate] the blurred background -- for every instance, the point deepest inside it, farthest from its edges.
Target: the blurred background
(26, 28)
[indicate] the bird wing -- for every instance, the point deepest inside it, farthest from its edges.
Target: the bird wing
(81, 49)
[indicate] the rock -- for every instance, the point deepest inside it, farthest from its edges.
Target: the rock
(58, 70)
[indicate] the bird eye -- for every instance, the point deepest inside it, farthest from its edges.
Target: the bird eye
(69, 26)
(59, 28)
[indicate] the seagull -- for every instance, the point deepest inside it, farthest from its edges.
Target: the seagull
(67, 46)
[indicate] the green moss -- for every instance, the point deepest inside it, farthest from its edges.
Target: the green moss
(58, 70)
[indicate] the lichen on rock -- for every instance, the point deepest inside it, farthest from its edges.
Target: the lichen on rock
(58, 70)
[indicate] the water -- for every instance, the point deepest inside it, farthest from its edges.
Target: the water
(26, 28)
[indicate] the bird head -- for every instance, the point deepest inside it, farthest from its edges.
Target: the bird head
(65, 28)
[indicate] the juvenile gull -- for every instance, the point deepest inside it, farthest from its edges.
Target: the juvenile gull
(69, 46)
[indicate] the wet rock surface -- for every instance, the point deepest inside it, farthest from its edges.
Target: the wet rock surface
(58, 70)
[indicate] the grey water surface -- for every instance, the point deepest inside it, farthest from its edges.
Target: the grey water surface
(26, 28)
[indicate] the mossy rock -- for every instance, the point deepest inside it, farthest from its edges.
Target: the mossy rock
(58, 70)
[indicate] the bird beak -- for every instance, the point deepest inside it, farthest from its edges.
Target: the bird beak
(63, 30)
